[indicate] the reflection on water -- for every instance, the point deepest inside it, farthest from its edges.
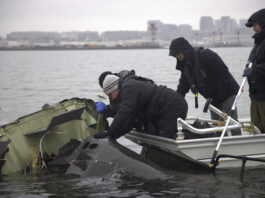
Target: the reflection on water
(222, 184)
(29, 79)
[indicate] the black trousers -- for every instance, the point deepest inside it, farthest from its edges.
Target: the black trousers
(167, 122)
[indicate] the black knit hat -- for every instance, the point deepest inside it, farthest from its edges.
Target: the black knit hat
(179, 45)
(102, 77)
(257, 17)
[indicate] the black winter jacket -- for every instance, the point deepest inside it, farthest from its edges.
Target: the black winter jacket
(124, 75)
(143, 98)
(257, 79)
(208, 72)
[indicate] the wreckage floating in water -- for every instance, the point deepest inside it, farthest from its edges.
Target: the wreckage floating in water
(29, 142)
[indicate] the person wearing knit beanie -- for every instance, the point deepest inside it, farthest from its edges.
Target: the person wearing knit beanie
(156, 107)
(110, 84)
(111, 109)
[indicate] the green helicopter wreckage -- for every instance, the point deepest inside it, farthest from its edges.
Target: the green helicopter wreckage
(28, 143)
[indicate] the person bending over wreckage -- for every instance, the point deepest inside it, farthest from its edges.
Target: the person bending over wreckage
(158, 105)
(204, 72)
(111, 109)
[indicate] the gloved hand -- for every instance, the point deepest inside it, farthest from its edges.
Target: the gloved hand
(100, 107)
(193, 89)
(101, 135)
(248, 72)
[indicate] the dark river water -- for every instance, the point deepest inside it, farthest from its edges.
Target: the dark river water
(29, 79)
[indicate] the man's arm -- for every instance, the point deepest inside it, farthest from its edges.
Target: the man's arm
(125, 116)
(183, 86)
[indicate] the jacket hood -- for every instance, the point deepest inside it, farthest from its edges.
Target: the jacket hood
(257, 17)
(179, 45)
(124, 74)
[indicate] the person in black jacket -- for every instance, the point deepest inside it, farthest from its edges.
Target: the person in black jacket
(256, 74)
(204, 72)
(111, 109)
(160, 106)
(123, 74)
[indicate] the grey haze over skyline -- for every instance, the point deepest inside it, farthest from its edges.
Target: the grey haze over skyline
(108, 15)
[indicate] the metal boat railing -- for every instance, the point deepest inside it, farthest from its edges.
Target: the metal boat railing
(183, 124)
(186, 125)
(224, 116)
(221, 114)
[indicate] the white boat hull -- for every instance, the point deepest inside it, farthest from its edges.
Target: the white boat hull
(200, 151)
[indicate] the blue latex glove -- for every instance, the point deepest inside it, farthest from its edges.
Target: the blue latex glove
(100, 107)
(101, 135)
(248, 72)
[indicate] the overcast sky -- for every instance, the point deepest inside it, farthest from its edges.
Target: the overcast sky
(102, 15)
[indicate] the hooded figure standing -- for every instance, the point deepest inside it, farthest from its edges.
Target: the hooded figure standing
(256, 74)
(160, 106)
(204, 72)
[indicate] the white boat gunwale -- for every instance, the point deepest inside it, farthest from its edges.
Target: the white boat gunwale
(182, 148)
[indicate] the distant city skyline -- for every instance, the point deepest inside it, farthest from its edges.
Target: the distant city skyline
(113, 15)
